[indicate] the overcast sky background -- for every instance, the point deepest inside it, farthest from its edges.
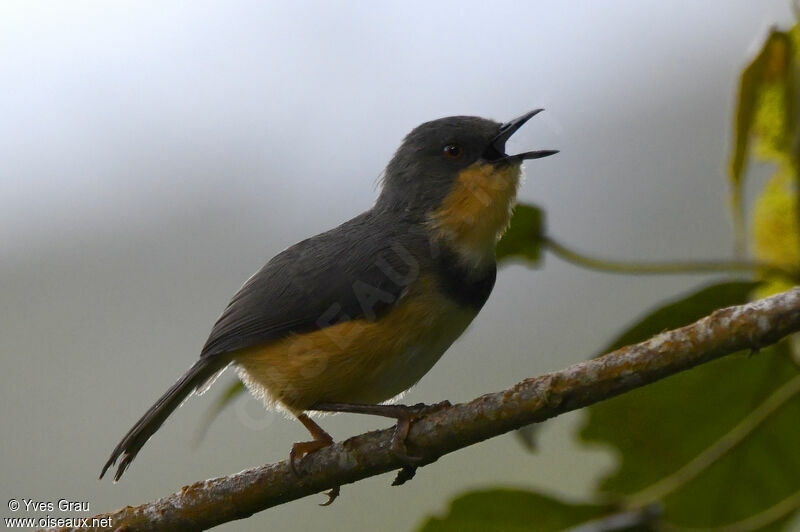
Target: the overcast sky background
(155, 154)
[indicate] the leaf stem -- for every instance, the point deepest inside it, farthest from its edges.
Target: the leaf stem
(767, 517)
(755, 522)
(649, 268)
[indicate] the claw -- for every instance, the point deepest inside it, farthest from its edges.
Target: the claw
(404, 475)
(755, 346)
(332, 494)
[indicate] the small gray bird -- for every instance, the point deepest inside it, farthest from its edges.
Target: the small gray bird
(353, 317)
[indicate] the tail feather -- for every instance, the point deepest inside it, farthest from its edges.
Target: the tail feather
(196, 378)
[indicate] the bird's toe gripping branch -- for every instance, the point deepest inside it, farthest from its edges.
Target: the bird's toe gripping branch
(405, 416)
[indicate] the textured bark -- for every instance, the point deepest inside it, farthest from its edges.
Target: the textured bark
(211, 502)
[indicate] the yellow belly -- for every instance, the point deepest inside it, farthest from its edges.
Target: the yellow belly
(356, 361)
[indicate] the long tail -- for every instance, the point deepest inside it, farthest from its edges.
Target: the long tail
(198, 375)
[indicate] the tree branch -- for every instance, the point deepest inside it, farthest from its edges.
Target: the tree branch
(208, 503)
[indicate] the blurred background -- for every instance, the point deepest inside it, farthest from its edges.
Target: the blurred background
(153, 155)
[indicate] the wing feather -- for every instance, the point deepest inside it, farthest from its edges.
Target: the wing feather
(319, 282)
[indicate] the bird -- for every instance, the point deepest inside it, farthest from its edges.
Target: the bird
(350, 319)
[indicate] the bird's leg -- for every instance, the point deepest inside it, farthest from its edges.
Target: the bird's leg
(405, 415)
(300, 449)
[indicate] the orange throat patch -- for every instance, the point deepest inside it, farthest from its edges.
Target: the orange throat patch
(477, 210)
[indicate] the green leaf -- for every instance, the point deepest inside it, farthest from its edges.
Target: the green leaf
(659, 429)
(766, 101)
(765, 109)
(507, 510)
(776, 229)
(224, 399)
(523, 239)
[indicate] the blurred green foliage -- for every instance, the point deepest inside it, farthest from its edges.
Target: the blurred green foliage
(523, 239)
(715, 447)
(506, 510)
(660, 428)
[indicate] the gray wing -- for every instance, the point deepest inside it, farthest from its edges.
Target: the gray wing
(357, 270)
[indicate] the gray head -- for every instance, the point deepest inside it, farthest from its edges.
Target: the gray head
(428, 162)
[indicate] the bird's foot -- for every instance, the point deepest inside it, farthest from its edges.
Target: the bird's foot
(406, 415)
(299, 450)
(302, 448)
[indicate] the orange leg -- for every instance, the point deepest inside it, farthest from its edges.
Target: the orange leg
(300, 449)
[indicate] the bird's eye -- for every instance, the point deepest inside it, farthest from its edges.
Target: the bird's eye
(453, 151)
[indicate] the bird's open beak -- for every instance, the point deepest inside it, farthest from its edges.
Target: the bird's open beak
(496, 152)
